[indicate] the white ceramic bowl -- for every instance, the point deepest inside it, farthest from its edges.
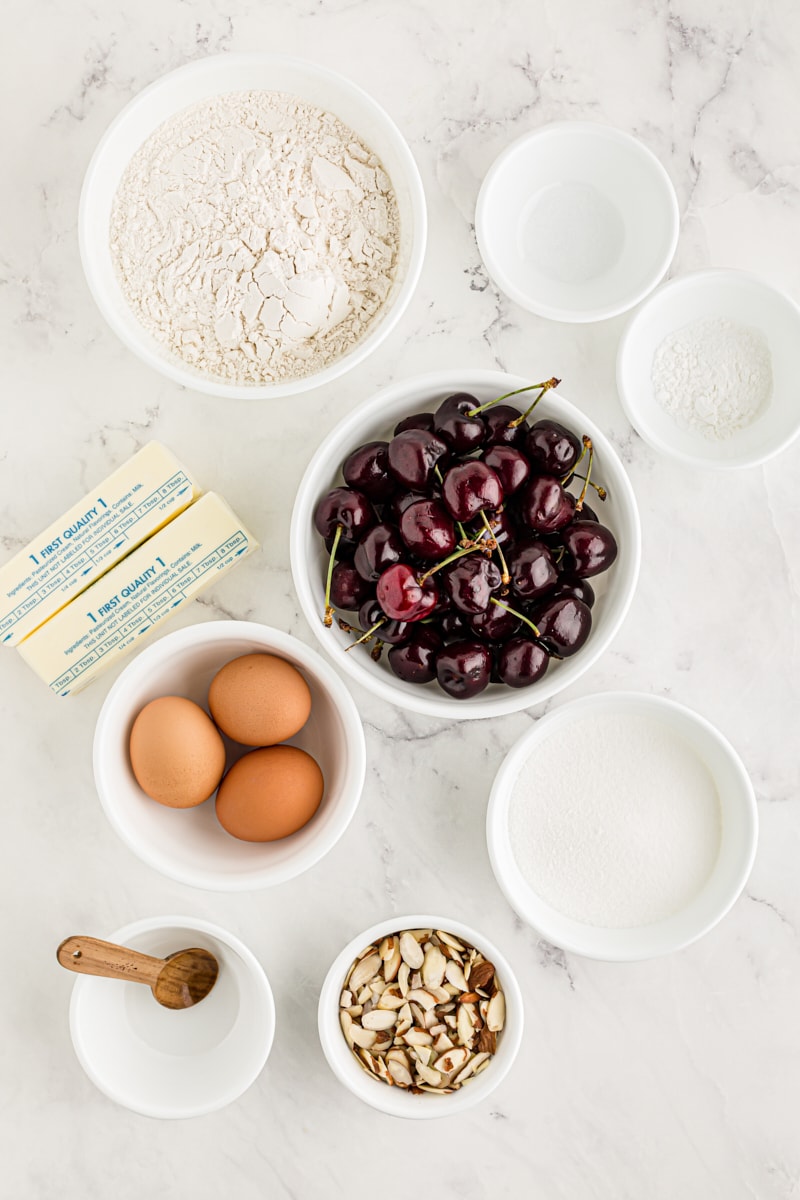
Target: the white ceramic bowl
(190, 845)
(393, 1100)
(376, 420)
(707, 295)
(166, 1063)
(235, 73)
(734, 862)
(577, 221)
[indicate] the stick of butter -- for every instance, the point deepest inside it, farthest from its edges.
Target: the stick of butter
(122, 512)
(109, 619)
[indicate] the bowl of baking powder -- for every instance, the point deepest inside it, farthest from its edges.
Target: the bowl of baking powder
(252, 225)
(622, 826)
(707, 369)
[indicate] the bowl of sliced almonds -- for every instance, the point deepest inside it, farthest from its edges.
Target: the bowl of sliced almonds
(420, 1017)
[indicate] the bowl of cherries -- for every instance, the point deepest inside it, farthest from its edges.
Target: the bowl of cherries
(467, 543)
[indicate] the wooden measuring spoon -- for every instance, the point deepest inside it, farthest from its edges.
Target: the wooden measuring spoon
(177, 981)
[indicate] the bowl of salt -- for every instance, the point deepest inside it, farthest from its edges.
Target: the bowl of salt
(622, 826)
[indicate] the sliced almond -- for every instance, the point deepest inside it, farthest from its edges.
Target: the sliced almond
(356, 1010)
(496, 1012)
(346, 999)
(422, 997)
(464, 1026)
(378, 1018)
(391, 998)
(450, 1020)
(400, 1074)
(454, 974)
(418, 1037)
(418, 1015)
(435, 1030)
(386, 948)
(369, 1061)
(481, 975)
(421, 935)
(429, 1075)
(360, 1036)
(433, 967)
(411, 951)
(487, 1041)
(415, 979)
(403, 973)
(449, 940)
(398, 1055)
(470, 1068)
(363, 971)
(392, 964)
(452, 1060)
(469, 998)
(422, 1054)
(346, 1022)
(431, 1018)
(442, 1043)
(365, 994)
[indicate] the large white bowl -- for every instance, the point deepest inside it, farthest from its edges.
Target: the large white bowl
(376, 420)
(190, 845)
(734, 862)
(393, 1100)
(730, 295)
(166, 1063)
(577, 221)
(235, 73)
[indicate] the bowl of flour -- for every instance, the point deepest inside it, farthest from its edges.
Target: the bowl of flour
(707, 369)
(622, 826)
(252, 225)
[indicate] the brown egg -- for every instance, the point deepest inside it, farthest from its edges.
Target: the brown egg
(269, 794)
(259, 700)
(177, 754)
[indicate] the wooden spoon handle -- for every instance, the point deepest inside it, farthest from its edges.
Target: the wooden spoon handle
(91, 956)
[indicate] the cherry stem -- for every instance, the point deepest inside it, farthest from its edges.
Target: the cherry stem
(566, 478)
(514, 613)
(366, 636)
(530, 387)
(506, 578)
(376, 651)
(601, 491)
(587, 442)
(445, 561)
(327, 620)
(551, 383)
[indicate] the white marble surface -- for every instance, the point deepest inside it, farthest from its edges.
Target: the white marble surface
(672, 1080)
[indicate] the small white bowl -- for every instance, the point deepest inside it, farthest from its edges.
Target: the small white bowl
(577, 221)
(165, 1063)
(734, 862)
(375, 420)
(730, 295)
(190, 845)
(213, 76)
(393, 1100)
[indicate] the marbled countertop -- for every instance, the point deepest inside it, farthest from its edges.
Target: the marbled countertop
(677, 1079)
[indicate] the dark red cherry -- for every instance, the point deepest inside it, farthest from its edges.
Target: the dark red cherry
(592, 548)
(470, 582)
(533, 572)
(428, 531)
(378, 549)
(564, 625)
(392, 632)
(344, 550)
(545, 506)
(413, 455)
(415, 660)
(367, 470)
(399, 503)
(464, 668)
(496, 624)
(498, 423)
(521, 662)
(348, 589)
(453, 624)
(402, 597)
(346, 508)
(570, 585)
(469, 487)
(454, 425)
(416, 421)
(551, 448)
(510, 464)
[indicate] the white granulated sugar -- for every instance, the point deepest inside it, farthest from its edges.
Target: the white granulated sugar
(615, 821)
(255, 236)
(713, 376)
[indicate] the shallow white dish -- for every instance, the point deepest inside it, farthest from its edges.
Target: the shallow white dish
(375, 420)
(393, 1100)
(166, 1063)
(235, 73)
(734, 862)
(577, 221)
(190, 845)
(730, 295)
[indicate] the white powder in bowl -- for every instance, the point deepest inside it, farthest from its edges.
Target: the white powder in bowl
(615, 821)
(255, 236)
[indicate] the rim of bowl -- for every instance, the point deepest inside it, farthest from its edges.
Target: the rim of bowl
(389, 1100)
(428, 703)
(353, 747)
(262, 985)
(167, 364)
(499, 799)
(570, 316)
(686, 283)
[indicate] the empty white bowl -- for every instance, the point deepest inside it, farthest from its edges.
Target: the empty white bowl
(394, 1100)
(175, 1063)
(737, 847)
(213, 76)
(577, 221)
(729, 295)
(190, 845)
(375, 420)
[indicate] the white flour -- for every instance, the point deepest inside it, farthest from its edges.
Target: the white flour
(615, 821)
(713, 376)
(255, 236)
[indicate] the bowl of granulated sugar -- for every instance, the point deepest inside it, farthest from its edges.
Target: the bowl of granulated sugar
(707, 369)
(622, 826)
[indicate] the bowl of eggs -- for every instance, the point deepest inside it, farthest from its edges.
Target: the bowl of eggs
(229, 756)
